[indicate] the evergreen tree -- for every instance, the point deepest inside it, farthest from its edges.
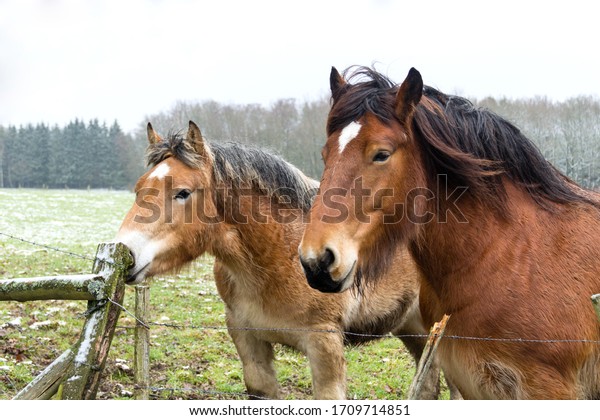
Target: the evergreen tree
(40, 156)
(95, 160)
(57, 153)
(24, 160)
(72, 154)
(10, 155)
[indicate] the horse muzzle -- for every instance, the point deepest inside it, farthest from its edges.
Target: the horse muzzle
(137, 274)
(318, 273)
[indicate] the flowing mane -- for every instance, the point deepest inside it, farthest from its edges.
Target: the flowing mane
(474, 146)
(241, 167)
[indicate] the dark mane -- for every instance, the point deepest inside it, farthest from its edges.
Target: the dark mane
(374, 93)
(240, 167)
(473, 146)
(174, 145)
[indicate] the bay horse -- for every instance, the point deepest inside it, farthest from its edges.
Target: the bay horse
(247, 208)
(506, 244)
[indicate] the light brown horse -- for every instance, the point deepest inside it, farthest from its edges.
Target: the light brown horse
(247, 208)
(507, 245)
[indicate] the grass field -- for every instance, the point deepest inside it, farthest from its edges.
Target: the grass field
(198, 361)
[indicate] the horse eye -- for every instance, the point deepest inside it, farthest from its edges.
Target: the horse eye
(381, 156)
(183, 195)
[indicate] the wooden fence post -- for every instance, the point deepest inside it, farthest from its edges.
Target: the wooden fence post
(437, 332)
(90, 352)
(142, 342)
(45, 385)
(596, 303)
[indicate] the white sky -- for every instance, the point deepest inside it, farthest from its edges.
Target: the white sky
(126, 59)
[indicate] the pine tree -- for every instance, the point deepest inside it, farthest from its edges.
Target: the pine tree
(72, 155)
(57, 152)
(40, 155)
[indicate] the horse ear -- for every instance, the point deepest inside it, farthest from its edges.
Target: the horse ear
(153, 136)
(409, 95)
(336, 82)
(194, 137)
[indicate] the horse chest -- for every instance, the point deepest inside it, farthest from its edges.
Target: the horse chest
(249, 307)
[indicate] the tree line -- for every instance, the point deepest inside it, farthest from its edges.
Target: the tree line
(93, 155)
(79, 155)
(567, 132)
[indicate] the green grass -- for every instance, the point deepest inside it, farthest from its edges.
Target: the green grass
(186, 363)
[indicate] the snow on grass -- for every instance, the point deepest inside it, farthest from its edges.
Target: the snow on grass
(63, 217)
(74, 221)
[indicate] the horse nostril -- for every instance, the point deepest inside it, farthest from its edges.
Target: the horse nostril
(317, 272)
(326, 259)
(318, 266)
(305, 266)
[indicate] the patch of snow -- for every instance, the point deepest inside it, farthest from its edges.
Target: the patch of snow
(86, 343)
(14, 322)
(40, 324)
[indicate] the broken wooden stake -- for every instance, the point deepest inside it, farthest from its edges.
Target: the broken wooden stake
(436, 333)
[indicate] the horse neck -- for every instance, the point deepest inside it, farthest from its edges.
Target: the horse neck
(252, 243)
(452, 247)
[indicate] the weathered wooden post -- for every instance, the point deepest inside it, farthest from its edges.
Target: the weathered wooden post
(45, 385)
(142, 342)
(104, 290)
(596, 303)
(82, 381)
(436, 333)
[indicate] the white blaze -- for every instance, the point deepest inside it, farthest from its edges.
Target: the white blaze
(348, 134)
(160, 171)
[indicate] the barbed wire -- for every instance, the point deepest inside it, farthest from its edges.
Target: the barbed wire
(62, 251)
(49, 247)
(333, 331)
(351, 333)
(373, 336)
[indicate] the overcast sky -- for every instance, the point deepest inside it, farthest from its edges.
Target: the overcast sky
(126, 59)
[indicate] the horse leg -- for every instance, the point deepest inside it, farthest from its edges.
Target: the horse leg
(454, 392)
(325, 352)
(432, 384)
(257, 362)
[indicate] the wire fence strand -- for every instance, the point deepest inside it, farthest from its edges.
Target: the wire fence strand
(48, 247)
(307, 330)
(61, 251)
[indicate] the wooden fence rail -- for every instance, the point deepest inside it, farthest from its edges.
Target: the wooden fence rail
(77, 371)
(77, 287)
